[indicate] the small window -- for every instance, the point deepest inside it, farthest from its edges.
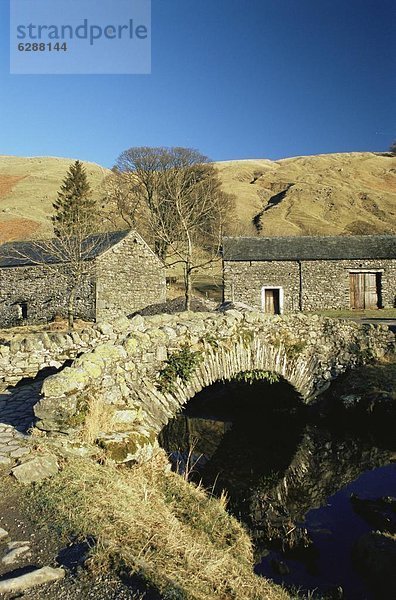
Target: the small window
(23, 310)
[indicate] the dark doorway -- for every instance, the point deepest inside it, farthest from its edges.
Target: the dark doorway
(272, 301)
(24, 310)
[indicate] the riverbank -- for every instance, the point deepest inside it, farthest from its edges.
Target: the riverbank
(364, 397)
(146, 522)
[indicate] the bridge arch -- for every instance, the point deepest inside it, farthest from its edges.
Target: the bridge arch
(226, 362)
(190, 352)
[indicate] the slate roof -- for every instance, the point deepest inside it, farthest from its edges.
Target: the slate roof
(309, 247)
(17, 254)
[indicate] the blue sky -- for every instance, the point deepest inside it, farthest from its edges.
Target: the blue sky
(232, 78)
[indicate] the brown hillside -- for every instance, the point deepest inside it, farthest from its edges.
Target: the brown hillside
(329, 194)
(28, 187)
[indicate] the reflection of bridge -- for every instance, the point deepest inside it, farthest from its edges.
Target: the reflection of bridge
(166, 359)
(273, 471)
(322, 464)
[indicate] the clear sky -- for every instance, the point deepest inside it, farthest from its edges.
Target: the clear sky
(232, 78)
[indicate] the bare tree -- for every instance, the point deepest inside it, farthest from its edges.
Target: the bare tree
(122, 202)
(187, 211)
(202, 214)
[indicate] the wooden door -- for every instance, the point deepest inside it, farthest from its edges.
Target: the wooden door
(357, 290)
(370, 290)
(272, 304)
(363, 290)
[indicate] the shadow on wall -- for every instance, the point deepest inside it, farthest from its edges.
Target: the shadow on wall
(17, 402)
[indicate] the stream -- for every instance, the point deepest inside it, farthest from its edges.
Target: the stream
(289, 476)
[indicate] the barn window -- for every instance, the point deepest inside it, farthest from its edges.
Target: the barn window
(22, 310)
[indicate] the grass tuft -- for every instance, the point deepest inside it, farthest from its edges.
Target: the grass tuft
(151, 522)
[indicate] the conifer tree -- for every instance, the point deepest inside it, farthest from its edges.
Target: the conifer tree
(75, 219)
(69, 253)
(75, 209)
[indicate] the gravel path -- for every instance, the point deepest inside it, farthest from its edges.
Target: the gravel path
(16, 418)
(44, 548)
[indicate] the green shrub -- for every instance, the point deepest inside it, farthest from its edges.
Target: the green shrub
(180, 365)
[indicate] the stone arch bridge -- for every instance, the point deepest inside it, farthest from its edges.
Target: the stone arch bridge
(145, 375)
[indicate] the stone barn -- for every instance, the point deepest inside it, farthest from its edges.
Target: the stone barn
(122, 275)
(289, 274)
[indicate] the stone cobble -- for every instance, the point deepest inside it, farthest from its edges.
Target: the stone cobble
(16, 418)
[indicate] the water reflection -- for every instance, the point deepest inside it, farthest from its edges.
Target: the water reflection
(260, 444)
(234, 437)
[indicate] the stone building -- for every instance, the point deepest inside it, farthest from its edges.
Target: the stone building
(289, 274)
(122, 275)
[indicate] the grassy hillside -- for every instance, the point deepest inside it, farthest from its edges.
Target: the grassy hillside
(28, 187)
(329, 194)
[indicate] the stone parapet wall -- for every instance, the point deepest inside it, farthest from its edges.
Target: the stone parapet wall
(127, 378)
(26, 355)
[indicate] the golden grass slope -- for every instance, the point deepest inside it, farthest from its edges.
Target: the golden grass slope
(328, 194)
(28, 187)
(149, 521)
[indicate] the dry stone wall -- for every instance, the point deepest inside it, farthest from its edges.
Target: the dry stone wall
(129, 277)
(126, 378)
(44, 292)
(26, 355)
(123, 279)
(324, 284)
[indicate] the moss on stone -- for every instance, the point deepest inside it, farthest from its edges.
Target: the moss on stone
(119, 451)
(256, 375)
(65, 383)
(180, 365)
(80, 415)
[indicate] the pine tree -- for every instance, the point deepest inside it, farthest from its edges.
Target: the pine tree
(75, 209)
(75, 219)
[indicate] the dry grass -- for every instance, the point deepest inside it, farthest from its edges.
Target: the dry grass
(59, 325)
(149, 521)
(332, 194)
(383, 313)
(8, 182)
(98, 417)
(28, 187)
(17, 229)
